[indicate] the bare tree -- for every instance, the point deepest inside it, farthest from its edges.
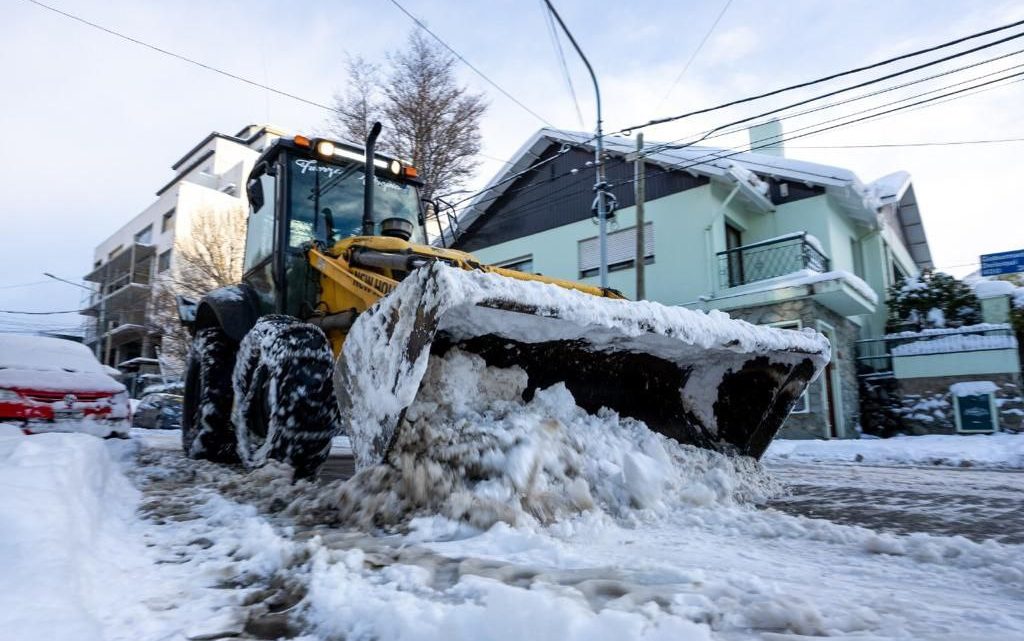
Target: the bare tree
(208, 257)
(429, 119)
(359, 107)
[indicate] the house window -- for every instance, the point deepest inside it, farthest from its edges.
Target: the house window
(164, 261)
(145, 236)
(802, 405)
(521, 264)
(167, 221)
(621, 251)
(114, 251)
(858, 258)
(734, 240)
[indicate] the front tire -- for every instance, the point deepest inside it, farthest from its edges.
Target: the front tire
(285, 407)
(206, 429)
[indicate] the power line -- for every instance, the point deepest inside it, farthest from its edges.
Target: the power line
(181, 57)
(458, 55)
(717, 155)
(718, 132)
(848, 72)
(693, 56)
(561, 58)
(913, 144)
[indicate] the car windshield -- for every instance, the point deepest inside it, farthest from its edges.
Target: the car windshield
(327, 199)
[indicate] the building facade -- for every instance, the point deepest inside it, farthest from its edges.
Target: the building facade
(129, 264)
(768, 239)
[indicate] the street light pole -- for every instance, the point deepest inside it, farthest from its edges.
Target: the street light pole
(601, 185)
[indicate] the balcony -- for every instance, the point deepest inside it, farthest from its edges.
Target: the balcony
(770, 259)
(782, 269)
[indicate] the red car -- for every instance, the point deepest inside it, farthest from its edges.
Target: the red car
(55, 385)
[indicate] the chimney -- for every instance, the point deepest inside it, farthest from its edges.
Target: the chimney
(766, 138)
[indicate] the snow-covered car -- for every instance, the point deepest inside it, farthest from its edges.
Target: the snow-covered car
(158, 411)
(55, 385)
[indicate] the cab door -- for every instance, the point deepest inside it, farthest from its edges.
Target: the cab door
(259, 269)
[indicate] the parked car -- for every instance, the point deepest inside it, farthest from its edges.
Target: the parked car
(158, 411)
(55, 385)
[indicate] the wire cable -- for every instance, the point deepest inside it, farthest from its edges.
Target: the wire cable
(458, 55)
(693, 56)
(557, 41)
(943, 143)
(848, 72)
(715, 133)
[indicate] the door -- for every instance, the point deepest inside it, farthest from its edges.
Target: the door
(832, 402)
(734, 240)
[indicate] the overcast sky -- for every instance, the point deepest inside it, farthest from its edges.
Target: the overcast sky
(92, 122)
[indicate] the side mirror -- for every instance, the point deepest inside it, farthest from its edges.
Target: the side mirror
(254, 189)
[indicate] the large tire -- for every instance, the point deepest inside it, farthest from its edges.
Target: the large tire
(206, 428)
(285, 407)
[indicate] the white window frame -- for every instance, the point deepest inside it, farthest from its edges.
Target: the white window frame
(511, 262)
(588, 256)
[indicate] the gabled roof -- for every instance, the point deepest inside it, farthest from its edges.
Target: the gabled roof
(858, 200)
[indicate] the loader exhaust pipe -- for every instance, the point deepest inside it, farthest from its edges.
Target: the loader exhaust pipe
(368, 180)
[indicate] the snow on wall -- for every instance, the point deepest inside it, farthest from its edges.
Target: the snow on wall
(973, 388)
(955, 343)
(990, 288)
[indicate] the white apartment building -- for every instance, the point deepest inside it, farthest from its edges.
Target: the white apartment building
(209, 177)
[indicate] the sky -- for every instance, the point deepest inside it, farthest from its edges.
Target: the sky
(93, 122)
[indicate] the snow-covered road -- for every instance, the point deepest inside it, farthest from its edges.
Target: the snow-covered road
(215, 553)
(977, 504)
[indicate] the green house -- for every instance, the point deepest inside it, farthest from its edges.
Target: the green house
(766, 238)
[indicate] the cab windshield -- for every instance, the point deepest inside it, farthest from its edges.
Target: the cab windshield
(326, 202)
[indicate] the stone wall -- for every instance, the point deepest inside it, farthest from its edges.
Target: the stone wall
(813, 424)
(925, 405)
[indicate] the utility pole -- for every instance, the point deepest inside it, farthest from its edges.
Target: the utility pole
(600, 185)
(640, 187)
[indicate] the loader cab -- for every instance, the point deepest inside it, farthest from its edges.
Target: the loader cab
(304, 191)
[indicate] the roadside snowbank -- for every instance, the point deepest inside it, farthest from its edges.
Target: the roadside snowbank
(1000, 450)
(74, 559)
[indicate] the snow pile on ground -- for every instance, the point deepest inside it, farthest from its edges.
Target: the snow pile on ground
(999, 450)
(472, 450)
(75, 559)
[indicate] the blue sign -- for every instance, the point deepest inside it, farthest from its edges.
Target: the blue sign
(1002, 263)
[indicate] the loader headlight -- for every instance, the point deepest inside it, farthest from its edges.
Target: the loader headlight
(325, 148)
(395, 167)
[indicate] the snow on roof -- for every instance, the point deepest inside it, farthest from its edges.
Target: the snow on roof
(859, 200)
(808, 277)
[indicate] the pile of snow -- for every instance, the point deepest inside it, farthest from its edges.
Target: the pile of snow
(944, 331)
(51, 364)
(472, 450)
(1000, 450)
(810, 277)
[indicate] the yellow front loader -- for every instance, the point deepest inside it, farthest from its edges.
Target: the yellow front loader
(343, 301)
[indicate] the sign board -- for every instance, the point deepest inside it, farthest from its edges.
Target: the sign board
(975, 413)
(1002, 263)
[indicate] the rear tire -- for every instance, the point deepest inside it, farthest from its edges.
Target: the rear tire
(206, 430)
(285, 407)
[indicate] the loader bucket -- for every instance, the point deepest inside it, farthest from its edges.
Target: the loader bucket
(699, 378)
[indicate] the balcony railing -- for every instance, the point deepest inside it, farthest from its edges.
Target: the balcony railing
(769, 259)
